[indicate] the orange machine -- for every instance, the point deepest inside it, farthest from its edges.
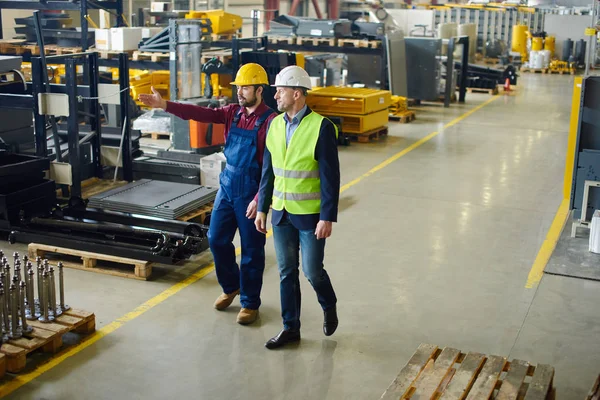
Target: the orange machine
(203, 135)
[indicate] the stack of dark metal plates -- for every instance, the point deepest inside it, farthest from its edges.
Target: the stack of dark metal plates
(167, 200)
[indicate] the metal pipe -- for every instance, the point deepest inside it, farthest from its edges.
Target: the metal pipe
(15, 257)
(6, 282)
(14, 312)
(39, 284)
(22, 292)
(45, 317)
(53, 309)
(30, 299)
(3, 320)
(61, 287)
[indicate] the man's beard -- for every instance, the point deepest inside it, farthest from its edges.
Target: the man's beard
(249, 103)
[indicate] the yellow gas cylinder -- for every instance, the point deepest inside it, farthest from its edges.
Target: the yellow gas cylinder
(537, 43)
(549, 44)
(519, 40)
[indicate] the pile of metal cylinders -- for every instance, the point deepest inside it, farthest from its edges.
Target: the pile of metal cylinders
(18, 303)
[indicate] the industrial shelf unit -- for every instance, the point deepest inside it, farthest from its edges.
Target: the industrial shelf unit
(82, 5)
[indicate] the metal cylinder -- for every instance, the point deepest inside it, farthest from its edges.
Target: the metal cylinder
(61, 287)
(25, 259)
(15, 257)
(39, 283)
(30, 310)
(5, 310)
(14, 313)
(44, 300)
(22, 292)
(6, 283)
(17, 276)
(53, 309)
(3, 319)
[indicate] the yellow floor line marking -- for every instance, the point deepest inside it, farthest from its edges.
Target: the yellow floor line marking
(23, 379)
(545, 252)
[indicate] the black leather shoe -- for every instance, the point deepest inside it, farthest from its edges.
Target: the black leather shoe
(330, 321)
(284, 337)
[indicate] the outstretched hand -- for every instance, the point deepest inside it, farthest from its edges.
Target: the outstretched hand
(153, 100)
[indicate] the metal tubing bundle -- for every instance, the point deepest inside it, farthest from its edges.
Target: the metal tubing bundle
(17, 301)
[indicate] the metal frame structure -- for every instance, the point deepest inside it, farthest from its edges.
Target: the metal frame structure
(82, 5)
(90, 89)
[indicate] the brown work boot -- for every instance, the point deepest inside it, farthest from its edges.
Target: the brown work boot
(225, 300)
(247, 316)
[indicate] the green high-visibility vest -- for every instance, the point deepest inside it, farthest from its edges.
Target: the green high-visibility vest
(297, 183)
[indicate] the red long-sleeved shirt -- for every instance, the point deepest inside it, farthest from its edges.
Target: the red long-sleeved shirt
(225, 115)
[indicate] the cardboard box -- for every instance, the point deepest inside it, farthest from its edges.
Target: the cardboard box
(124, 39)
(103, 37)
(210, 169)
(149, 32)
(157, 6)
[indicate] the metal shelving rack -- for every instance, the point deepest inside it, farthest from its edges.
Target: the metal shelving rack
(82, 5)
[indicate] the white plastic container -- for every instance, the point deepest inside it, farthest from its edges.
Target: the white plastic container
(595, 233)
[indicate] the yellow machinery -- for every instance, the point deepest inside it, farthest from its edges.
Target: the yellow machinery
(399, 105)
(360, 109)
(537, 43)
(550, 44)
(519, 40)
(221, 22)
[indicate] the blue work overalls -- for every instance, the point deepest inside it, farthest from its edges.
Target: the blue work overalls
(239, 183)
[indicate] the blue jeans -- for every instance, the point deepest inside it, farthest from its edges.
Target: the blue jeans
(289, 241)
(228, 215)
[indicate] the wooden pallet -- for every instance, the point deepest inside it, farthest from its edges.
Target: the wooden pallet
(366, 137)
(491, 60)
(89, 261)
(282, 39)
(561, 72)
(404, 117)
(535, 70)
(198, 215)
(13, 46)
(492, 92)
(45, 336)
(365, 43)
(52, 49)
(153, 56)
(316, 41)
(112, 54)
(433, 373)
(158, 135)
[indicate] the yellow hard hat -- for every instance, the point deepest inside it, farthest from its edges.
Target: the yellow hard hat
(251, 74)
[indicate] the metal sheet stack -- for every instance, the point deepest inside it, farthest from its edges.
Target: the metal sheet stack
(168, 200)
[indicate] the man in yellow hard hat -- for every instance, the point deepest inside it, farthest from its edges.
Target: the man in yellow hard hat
(235, 205)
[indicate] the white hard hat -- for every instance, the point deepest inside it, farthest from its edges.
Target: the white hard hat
(293, 76)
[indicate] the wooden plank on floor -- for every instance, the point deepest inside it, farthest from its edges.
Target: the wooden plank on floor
(29, 344)
(511, 385)
(410, 372)
(429, 381)
(486, 382)
(50, 326)
(541, 382)
(464, 378)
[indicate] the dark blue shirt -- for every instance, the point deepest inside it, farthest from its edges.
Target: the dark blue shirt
(326, 154)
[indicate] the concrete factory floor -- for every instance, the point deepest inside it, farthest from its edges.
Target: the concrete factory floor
(433, 246)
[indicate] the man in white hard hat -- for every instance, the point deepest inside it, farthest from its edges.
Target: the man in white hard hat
(301, 181)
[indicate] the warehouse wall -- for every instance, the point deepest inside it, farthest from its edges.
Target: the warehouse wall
(566, 27)
(8, 21)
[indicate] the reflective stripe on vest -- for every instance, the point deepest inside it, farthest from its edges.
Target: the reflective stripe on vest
(297, 183)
